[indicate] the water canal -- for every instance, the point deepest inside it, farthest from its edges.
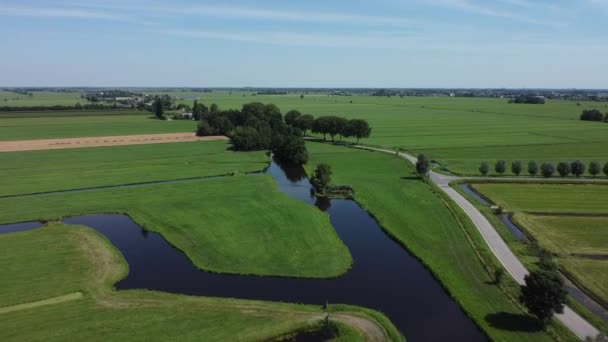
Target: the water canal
(384, 276)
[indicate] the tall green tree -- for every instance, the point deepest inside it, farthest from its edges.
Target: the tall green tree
(547, 170)
(423, 166)
(158, 108)
(305, 122)
(595, 168)
(563, 169)
(357, 128)
(500, 167)
(291, 117)
(321, 125)
(336, 126)
(516, 167)
(290, 148)
(321, 176)
(532, 168)
(577, 168)
(484, 168)
(543, 294)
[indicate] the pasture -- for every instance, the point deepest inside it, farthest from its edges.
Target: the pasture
(459, 133)
(52, 127)
(240, 224)
(568, 220)
(57, 170)
(79, 260)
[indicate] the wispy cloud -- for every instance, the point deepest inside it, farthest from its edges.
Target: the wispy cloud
(58, 12)
(483, 9)
(256, 13)
(370, 40)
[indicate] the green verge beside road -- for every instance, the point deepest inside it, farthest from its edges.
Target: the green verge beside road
(409, 211)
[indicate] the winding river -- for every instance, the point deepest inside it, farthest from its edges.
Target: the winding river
(384, 276)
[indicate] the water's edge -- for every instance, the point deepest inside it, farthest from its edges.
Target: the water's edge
(384, 276)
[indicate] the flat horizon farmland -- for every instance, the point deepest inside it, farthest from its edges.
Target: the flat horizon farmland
(458, 133)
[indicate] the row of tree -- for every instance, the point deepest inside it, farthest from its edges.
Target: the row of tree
(564, 169)
(593, 115)
(530, 99)
(335, 125)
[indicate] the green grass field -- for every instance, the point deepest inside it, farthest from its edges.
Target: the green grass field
(240, 224)
(577, 224)
(459, 133)
(408, 210)
(55, 170)
(40, 98)
(79, 260)
(548, 198)
(88, 126)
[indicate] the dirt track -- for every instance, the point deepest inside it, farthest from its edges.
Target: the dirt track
(56, 144)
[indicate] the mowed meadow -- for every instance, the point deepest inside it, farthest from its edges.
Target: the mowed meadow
(459, 133)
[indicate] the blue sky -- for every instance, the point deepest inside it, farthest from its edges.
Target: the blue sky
(314, 43)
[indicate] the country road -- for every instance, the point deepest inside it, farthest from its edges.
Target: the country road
(579, 326)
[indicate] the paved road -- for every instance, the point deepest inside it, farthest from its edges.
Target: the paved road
(579, 326)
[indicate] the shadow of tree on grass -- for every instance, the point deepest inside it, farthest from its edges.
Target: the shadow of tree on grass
(513, 322)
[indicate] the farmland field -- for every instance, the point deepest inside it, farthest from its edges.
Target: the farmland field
(45, 171)
(548, 198)
(459, 133)
(77, 260)
(88, 126)
(568, 220)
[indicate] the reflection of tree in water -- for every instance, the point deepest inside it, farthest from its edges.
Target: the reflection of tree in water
(294, 173)
(323, 203)
(144, 233)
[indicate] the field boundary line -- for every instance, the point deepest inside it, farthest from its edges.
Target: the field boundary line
(49, 301)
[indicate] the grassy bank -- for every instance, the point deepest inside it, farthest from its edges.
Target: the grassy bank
(239, 224)
(407, 209)
(79, 259)
(56, 170)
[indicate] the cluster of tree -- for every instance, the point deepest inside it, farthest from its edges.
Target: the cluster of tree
(576, 168)
(530, 99)
(77, 106)
(544, 292)
(593, 115)
(256, 126)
